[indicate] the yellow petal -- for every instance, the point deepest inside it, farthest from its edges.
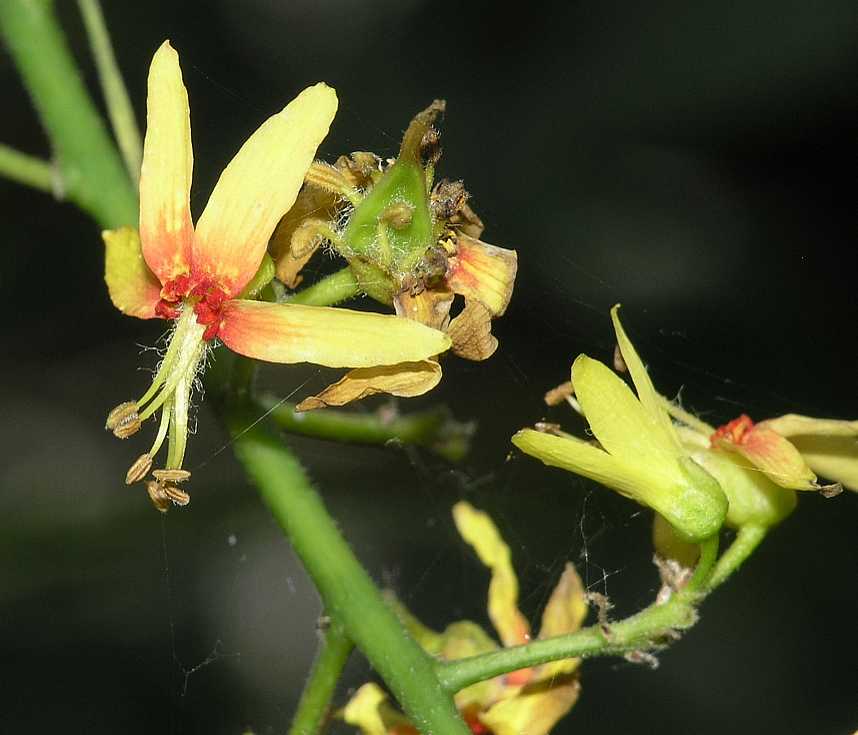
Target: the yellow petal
(774, 455)
(483, 272)
(677, 488)
(477, 529)
(322, 335)
(535, 710)
(369, 711)
(623, 426)
(405, 380)
(429, 640)
(471, 332)
(133, 288)
(257, 188)
(793, 424)
(833, 457)
(166, 230)
(567, 606)
(647, 394)
(429, 307)
(291, 253)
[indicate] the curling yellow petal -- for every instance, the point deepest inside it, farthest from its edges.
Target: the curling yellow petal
(477, 529)
(776, 456)
(623, 426)
(166, 230)
(328, 336)
(257, 188)
(833, 457)
(483, 272)
(406, 380)
(535, 710)
(793, 424)
(133, 288)
(647, 394)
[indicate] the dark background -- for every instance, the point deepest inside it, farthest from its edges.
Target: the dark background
(695, 161)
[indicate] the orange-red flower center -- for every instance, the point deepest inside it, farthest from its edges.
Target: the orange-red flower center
(734, 431)
(206, 297)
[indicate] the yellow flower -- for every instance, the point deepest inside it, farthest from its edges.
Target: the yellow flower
(200, 275)
(528, 701)
(641, 455)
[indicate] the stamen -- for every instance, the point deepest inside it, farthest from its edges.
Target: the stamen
(171, 475)
(176, 494)
(159, 498)
(139, 469)
(123, 420)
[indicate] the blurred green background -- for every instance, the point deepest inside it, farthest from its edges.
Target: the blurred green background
(692, 160)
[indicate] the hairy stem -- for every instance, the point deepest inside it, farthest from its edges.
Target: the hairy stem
(27, 170)
(119, 107)
(350, 596)
(642, 631)
(330, 290)
(91, 170)
(334, 650)
(747, 539)
(435, 429)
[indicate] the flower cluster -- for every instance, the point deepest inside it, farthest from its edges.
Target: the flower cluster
(528, 701)
(202, 276)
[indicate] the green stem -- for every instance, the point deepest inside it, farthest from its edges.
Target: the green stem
(91, 170)
(25, 169)
(642, 631)
(747, 539)
(434, 429)
(350, 596)
(330, 290)
(703, 570)
(119, 107)
(315, 702)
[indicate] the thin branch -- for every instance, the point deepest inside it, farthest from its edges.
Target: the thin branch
(313, 708)
(116, 98)
(27, 170)
(746, 541)
(330, 290)
(434, 429)
(92, 172)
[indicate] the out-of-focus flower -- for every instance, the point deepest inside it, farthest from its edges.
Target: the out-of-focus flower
(199, 276)
(528, 701)
(640, 454)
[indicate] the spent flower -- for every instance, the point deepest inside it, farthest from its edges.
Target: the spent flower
(202, 276)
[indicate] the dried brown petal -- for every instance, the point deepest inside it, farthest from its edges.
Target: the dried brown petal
(471, 332)
(428, 307)
(407, 379)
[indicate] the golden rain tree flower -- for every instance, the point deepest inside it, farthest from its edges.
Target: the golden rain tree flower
(640, 453)
(411, 243)
(528, 701)
(198, 275)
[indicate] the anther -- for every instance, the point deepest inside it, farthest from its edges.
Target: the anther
(139, 469)
(125, 414)
(158, 496)
(173, 475)
(176, 494)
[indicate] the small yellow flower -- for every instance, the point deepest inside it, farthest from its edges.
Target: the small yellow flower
(200, 275)
(641, 455)
(528, 701)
